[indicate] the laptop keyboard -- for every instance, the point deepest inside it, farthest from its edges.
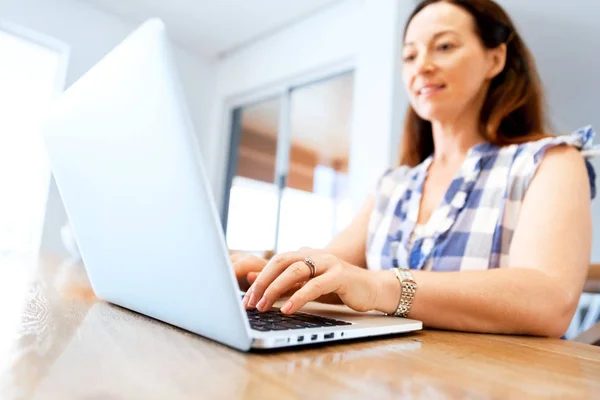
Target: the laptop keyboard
(274, 320)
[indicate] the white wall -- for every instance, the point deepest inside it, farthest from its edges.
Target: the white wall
(323, 39)
(355, 34)
(91, 34)
(379, 98)
(565, 42)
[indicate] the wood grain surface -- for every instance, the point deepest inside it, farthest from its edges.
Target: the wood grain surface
(66, 344)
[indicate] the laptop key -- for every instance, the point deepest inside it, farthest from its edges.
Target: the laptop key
(290, 325)
(279, 328)
(309, 324)
(261, 328)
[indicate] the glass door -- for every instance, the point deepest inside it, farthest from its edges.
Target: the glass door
(287, 172)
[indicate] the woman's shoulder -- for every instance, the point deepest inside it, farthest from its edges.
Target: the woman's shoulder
(528, 156)
(581, 139)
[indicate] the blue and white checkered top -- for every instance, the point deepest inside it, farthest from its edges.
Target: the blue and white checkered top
(473, 227)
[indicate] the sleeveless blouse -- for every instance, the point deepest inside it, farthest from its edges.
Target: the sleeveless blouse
(472, 229)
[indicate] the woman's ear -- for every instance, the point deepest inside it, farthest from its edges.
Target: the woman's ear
(497, 58)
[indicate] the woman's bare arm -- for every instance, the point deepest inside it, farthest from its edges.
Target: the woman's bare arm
(548, 259)
(350, 244)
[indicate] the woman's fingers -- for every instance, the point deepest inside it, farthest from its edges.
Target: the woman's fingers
(243, 265)
(272, 270)
(296, 273)
(251, 277)
(312, 290)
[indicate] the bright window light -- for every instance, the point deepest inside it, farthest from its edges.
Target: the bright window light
(28, 82)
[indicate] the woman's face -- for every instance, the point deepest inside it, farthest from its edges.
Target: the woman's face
(446, 68)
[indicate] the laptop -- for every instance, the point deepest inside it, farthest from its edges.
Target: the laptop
(127, 164)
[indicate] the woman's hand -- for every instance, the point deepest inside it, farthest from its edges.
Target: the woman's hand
(246, 267)
(355, 286)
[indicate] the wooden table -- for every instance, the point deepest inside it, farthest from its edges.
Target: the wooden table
(62, 343)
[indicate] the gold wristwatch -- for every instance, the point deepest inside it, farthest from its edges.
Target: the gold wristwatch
(408, 287)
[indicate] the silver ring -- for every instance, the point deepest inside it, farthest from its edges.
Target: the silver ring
(311, 264)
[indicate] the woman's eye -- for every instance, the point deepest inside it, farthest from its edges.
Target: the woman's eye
(409, 57)
(445, 46)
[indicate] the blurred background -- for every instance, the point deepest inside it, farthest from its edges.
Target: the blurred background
(297, 104)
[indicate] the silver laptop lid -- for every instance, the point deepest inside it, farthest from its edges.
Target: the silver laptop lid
(126, 163)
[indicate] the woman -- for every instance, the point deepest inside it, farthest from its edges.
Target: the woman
(485, 226)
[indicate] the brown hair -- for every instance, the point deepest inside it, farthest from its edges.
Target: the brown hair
(513, 111)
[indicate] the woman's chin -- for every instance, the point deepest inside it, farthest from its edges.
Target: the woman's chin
(433, 113)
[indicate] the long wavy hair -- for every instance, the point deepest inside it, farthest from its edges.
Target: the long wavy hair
(514, 108)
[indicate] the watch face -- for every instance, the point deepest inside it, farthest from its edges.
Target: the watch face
(406, 275)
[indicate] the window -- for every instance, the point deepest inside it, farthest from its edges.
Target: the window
(252, 219)
(29, 78)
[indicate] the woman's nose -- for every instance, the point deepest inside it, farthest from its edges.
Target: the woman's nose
(425, 64)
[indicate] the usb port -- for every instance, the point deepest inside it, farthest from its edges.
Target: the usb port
(300, 339)
(329, 336)
(313, 337)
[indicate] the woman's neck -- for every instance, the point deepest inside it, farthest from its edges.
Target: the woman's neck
(453, 137)
(452, 140)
